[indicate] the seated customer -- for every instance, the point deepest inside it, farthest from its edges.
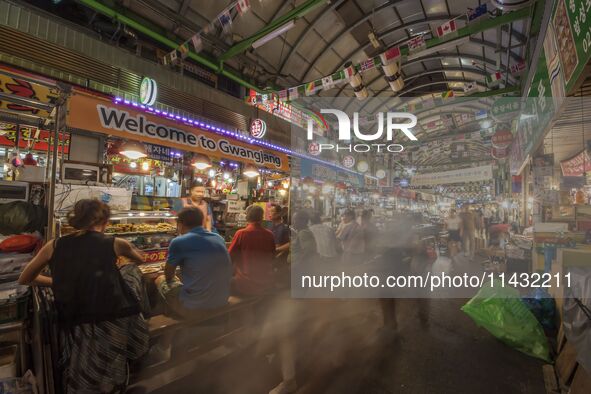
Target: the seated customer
(252, 251)
(204, 264)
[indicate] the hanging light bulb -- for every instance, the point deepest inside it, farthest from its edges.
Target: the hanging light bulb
(226, 176)
(201, 162)
(285, 184)
(230, 180)
(251, 171)
(145, 166)
(211, 173)
(133, 164)
(133, 150)
(270, 183)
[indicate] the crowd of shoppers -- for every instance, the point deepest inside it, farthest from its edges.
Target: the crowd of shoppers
(101, 304)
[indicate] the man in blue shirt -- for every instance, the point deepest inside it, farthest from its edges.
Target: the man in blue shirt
(205, 268)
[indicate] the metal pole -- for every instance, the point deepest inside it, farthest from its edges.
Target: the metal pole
(53, 175)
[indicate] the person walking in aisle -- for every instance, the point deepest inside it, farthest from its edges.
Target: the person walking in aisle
(453, 225)
(326, 240)
(468, 232)
(350, 234)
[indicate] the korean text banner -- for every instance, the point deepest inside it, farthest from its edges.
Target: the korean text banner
(93, 113)
(475, 174)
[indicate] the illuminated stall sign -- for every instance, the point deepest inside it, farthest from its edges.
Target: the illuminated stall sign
(258, 128)
(154, 256)
(12, 84)
(88, 112)
(31, 138)
(159, 152)
(577, 165)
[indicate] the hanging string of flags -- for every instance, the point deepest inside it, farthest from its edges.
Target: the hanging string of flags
(394, 55)
(224, 20)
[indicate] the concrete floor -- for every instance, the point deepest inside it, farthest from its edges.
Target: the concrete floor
(349, 353)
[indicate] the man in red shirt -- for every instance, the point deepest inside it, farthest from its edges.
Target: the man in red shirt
(252, 252)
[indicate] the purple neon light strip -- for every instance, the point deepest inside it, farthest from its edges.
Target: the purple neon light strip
(119, 100)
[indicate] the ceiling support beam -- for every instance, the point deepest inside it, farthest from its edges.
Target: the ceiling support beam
(172, 44)
(357, 23)
(296, 13)
(380, 36)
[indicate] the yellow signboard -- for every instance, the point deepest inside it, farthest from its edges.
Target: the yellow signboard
(20, 85)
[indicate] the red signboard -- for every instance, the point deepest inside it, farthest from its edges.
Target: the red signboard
(31, 138)
(154, 256)
(577, 165)
(502, 139)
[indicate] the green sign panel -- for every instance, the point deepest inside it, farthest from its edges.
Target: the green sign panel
(572, 25)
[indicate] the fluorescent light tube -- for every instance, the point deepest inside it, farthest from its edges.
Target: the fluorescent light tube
(275, 33)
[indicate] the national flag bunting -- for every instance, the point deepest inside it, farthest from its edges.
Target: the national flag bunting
(448, 94)
(447, 28)
(494, 78)
(391, 54)
(197, 42)
(310, 88)
(475, 13)
(242, 6)
(283, 95)
(184, 50)
(225, 20)
(367, 65)
(416, 44)
(429, 103)
(469, 87)
(327, 83)
(349, 72)
(293, 93)
(517, 68)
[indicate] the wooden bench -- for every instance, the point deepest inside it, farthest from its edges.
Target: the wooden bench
(159, 324)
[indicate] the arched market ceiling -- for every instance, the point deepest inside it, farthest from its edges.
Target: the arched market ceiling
(326, 35)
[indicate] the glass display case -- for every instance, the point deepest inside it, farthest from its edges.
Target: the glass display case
(150, 232)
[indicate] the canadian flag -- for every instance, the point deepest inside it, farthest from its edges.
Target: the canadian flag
(446, 28)
(242, 6)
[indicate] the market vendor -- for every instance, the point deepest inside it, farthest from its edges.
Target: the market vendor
(196, 200)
